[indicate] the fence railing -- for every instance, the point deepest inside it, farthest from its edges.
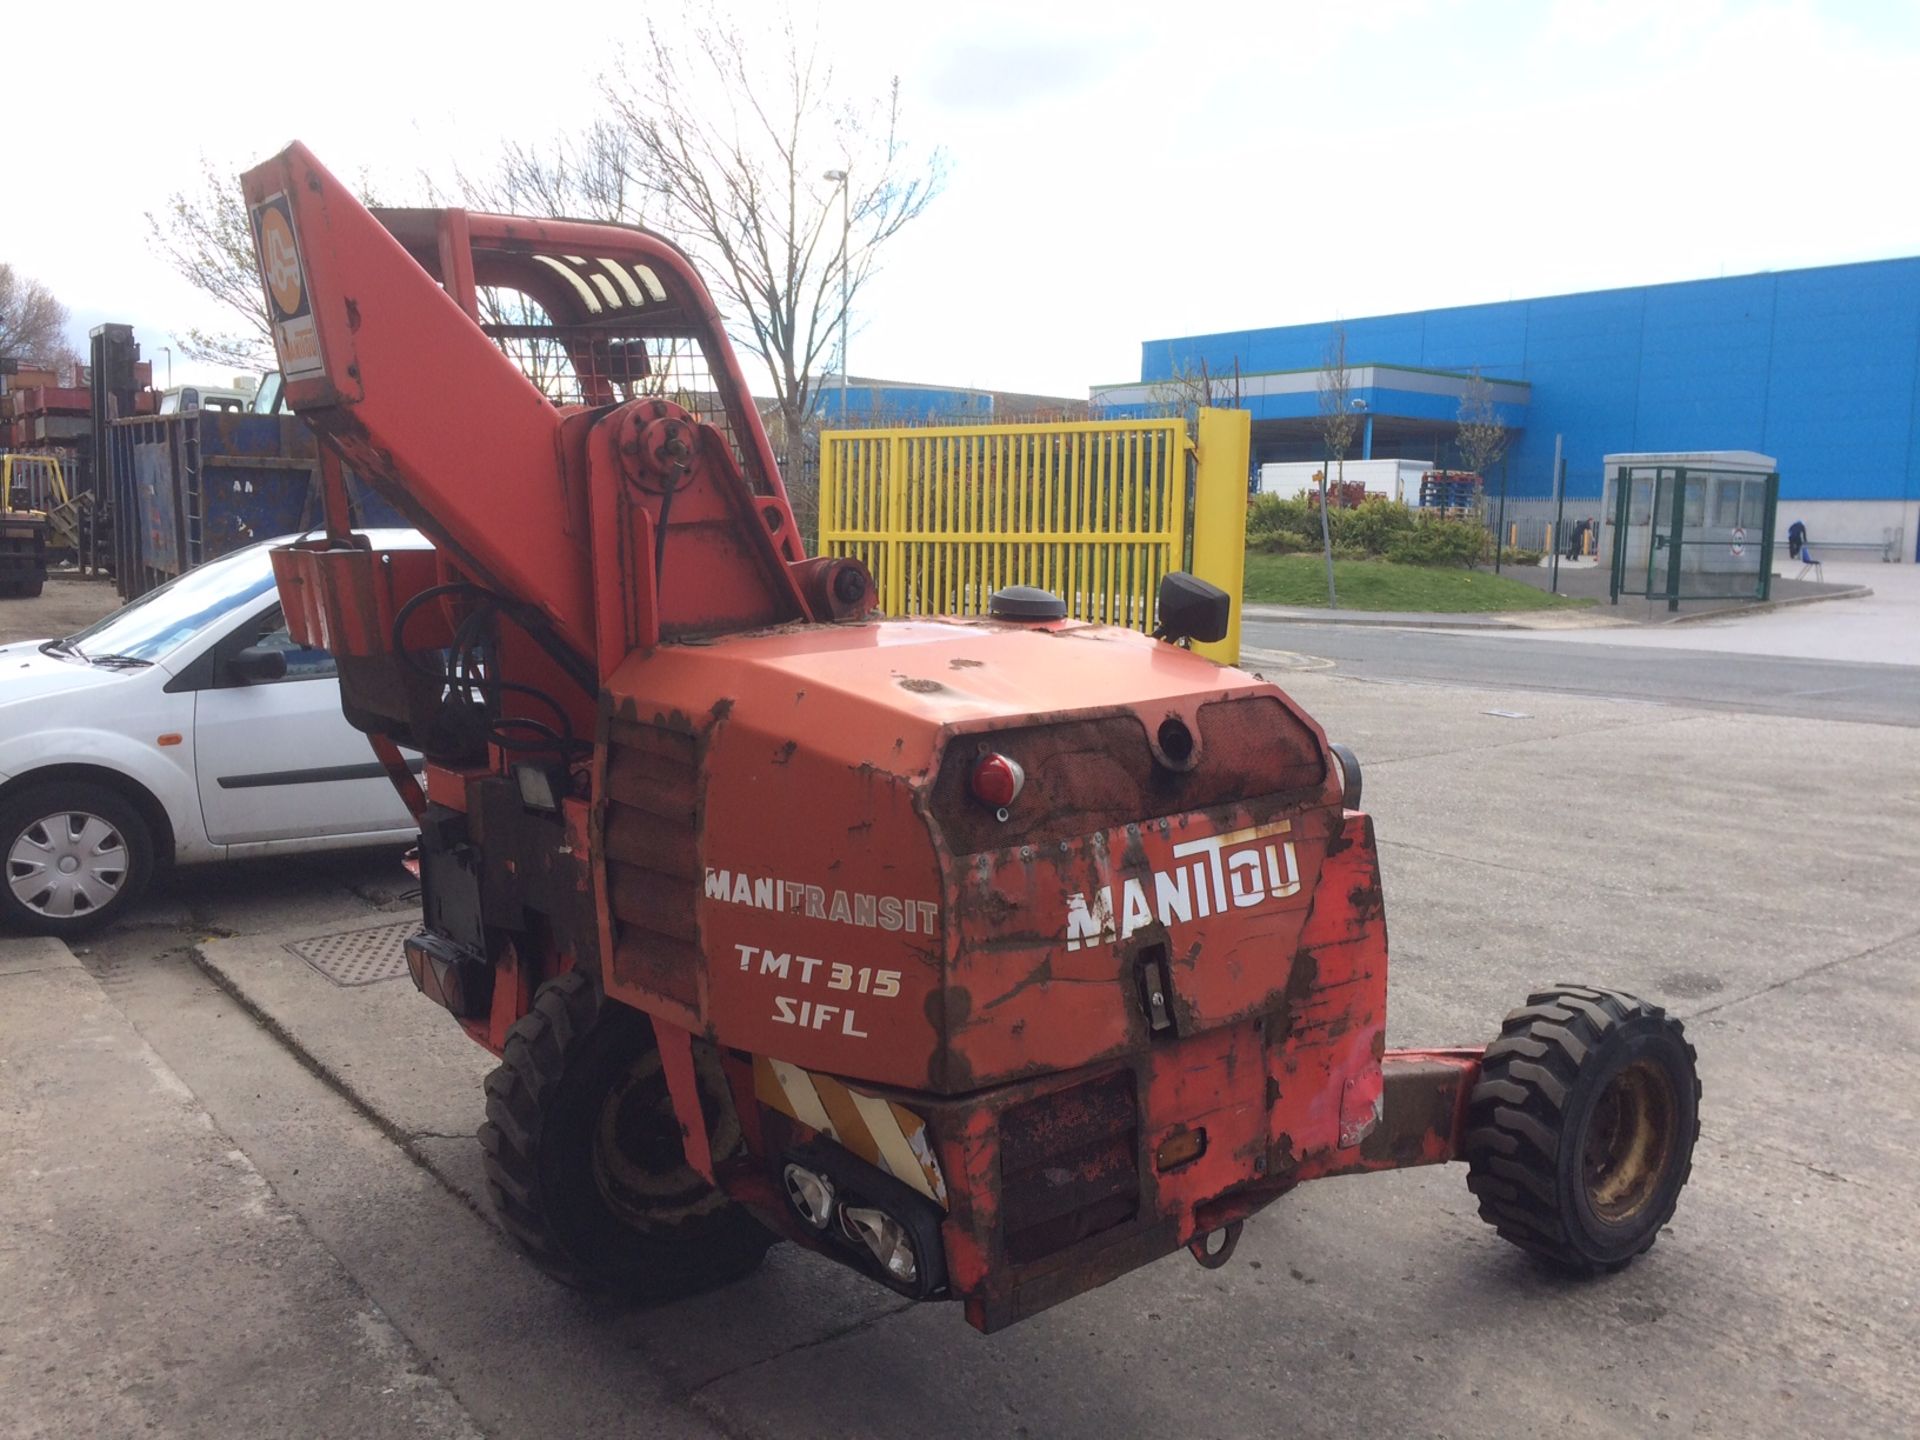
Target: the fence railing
(1094, 511)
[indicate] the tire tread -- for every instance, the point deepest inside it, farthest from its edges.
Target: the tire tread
(711, 1249)
(1517, 1114)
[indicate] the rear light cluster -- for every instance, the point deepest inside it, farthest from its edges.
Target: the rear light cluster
(996, 782)
(1063, 779)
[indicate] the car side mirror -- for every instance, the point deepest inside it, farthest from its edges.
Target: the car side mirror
(257, 663)
(1191, 609)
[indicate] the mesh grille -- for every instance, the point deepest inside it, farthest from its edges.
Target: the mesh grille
(359, 957)
(605, 362)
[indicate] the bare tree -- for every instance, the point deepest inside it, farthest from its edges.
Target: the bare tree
(1339, 422)
(204, 233)
(1481, 441)
(1479, 437)
(592, 176)
(33, 325)
(1189, 388)
(732, 136)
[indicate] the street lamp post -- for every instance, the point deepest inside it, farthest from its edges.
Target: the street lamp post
(846, 226)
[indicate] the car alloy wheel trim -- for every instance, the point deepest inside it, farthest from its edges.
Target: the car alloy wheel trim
(70, 863)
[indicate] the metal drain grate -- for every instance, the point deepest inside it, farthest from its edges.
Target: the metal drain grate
(359, 957)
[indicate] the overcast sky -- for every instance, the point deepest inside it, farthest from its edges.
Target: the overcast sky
(1119, 171)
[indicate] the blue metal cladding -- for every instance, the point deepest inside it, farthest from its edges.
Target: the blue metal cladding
(1380, 400)
(903, 402)
(1820, 368)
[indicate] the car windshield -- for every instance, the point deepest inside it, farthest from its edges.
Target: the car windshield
(167, 617)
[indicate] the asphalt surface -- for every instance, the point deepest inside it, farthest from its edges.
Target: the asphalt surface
(1526, 837)
(240, 1200)
(1858, 691)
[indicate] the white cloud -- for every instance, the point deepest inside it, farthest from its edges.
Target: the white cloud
(1120, 171)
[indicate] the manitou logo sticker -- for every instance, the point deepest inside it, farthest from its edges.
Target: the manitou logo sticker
(295, 337)
(1242, 870)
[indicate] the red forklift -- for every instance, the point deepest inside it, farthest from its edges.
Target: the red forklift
(993, 957)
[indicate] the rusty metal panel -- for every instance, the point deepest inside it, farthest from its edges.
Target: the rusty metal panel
(651, 855)
(201, 484)
(156, 518)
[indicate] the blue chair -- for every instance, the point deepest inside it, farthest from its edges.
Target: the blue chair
(1799, 548)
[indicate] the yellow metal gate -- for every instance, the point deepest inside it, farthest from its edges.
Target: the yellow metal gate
(1095, 512)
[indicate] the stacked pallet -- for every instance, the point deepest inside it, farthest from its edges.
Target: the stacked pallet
(1454, 494)
(46, 408)
(1341, 494)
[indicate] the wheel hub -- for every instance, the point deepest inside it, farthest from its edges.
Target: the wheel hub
(67, 864)
(1629, 1142)
(639, 1162)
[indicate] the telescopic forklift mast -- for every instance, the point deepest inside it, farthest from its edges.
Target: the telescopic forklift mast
(994, 957)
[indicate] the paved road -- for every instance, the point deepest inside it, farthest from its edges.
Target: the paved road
(1780, 1302)
(1549, 661)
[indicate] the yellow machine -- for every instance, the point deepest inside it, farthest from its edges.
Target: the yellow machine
(34, 502)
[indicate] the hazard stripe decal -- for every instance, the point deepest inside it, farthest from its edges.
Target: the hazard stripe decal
(887, 1136)
(896, 1156)
(795, 1087)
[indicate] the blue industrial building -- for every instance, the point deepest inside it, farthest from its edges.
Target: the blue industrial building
(906, 402)
(1819, 368)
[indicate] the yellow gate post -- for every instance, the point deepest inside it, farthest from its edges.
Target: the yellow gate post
(895, 594)
(1224, 448)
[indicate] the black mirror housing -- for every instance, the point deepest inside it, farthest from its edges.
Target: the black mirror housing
(257, 663)
(1191, 609)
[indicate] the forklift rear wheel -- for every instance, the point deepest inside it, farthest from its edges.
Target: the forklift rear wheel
(584, 1160)
(1580, 1131)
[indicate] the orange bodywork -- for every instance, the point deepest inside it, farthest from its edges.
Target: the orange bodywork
(1088, 1026)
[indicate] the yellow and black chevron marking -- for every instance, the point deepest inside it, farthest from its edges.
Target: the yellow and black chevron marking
(878, 1131)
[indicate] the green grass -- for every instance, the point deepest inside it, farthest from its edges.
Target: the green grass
(1383, 585)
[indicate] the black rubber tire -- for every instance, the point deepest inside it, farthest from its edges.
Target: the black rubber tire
(569, 1058)
(1570, 1069)
(33, 804)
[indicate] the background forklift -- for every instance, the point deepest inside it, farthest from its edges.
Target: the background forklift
(33, 490)
(991, 957)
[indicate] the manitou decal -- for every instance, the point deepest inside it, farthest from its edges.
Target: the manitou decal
(295, 337)
(1242, 870)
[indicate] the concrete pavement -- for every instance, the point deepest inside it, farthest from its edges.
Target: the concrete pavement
(151, 1281)
(1568, 619)
(1586, 664)
(1864, 611)
(1645, 846)
(1880, 628)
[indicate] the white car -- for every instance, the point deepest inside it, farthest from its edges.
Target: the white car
(186, 727)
